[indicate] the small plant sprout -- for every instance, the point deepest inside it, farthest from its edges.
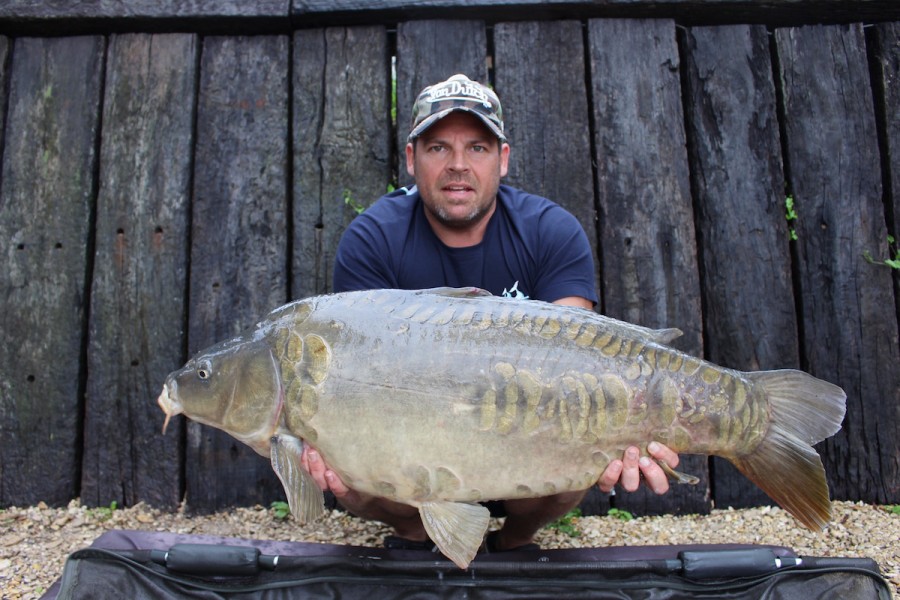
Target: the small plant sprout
(622, 515)
(105, 512)
(567, 523)
(280, 510)
(893, 249)
(353, 203)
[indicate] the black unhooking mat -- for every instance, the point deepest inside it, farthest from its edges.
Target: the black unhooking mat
(144, 565)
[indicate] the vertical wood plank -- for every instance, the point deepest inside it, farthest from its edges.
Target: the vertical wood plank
(342, 142)
(546, 115)
(849, 325)
(545, 109)
(239, 238)
(649, 256)
(45, 217)
(5, 45)
(429, 52)
(738, 179)
(140, 270)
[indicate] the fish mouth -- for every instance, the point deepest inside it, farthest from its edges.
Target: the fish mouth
(168, 406)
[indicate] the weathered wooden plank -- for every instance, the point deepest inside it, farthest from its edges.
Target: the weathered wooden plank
(738, 182)
(45, 217)
(342, 142)
(694, 11)
(849, 327)
(37, 17)
(649, 256)
(140, 270)
(887, 61)
(429, 52)
(5, 45)
(239, 238)
(546, 113)
(547, 128)
(39, 9)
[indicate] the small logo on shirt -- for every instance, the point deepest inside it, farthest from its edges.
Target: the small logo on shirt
(514, 292)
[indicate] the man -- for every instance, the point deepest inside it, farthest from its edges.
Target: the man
(459, 227)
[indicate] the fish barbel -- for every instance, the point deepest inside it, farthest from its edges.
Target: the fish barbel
(443, 398)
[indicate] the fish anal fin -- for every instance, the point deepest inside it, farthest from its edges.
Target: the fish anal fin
(303, 494)
(804, 411)
(457, 528)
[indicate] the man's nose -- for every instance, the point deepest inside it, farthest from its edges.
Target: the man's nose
(458, 161)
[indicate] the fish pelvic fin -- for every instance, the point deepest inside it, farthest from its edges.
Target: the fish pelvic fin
(303, 494)
(678, 476)
(457, 528)
(805, 411)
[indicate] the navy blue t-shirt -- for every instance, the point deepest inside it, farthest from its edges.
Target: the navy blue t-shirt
(532, 247)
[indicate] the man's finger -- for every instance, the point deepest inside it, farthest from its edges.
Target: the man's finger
(610, 476)
(663, 453)
(654, 476)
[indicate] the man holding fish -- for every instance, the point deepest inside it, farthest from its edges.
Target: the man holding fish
(459, 227)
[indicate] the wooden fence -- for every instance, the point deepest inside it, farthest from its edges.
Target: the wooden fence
(167, 178)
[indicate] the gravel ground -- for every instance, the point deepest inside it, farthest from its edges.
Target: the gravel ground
(35, 541)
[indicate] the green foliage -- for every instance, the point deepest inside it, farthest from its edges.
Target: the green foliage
(353, 203)
(894, 509)
(790, 215)
(280, 510)
(393, 96)
(622, 515)
(894, 249)
(105, 512)
(567, 523)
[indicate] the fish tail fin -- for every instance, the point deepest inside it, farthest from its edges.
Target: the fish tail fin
(805, 411)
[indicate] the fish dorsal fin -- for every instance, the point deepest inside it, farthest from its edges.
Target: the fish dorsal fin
(452, 292)
(664, 336)
(303, 494)
(457, 528)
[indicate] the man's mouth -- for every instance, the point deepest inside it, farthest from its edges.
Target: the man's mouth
(457, 188)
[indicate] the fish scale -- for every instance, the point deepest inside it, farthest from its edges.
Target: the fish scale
(442, 398)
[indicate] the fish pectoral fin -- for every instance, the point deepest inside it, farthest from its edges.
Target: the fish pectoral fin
(678, 476)
(303, 494)
(457, 528)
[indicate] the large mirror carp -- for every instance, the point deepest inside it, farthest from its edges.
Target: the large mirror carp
(443, 398)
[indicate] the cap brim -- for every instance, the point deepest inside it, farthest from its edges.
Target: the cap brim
(432, 119)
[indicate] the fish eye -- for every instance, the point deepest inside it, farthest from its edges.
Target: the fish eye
(204, 370)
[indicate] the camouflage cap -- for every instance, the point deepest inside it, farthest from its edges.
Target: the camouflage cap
(459, 93)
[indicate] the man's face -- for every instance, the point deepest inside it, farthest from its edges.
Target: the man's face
(457, 164)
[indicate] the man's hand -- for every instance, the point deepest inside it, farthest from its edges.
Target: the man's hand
(324, 477)
(627, 472)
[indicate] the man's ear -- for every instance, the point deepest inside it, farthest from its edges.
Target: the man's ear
(411, 159)
(504, 159)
